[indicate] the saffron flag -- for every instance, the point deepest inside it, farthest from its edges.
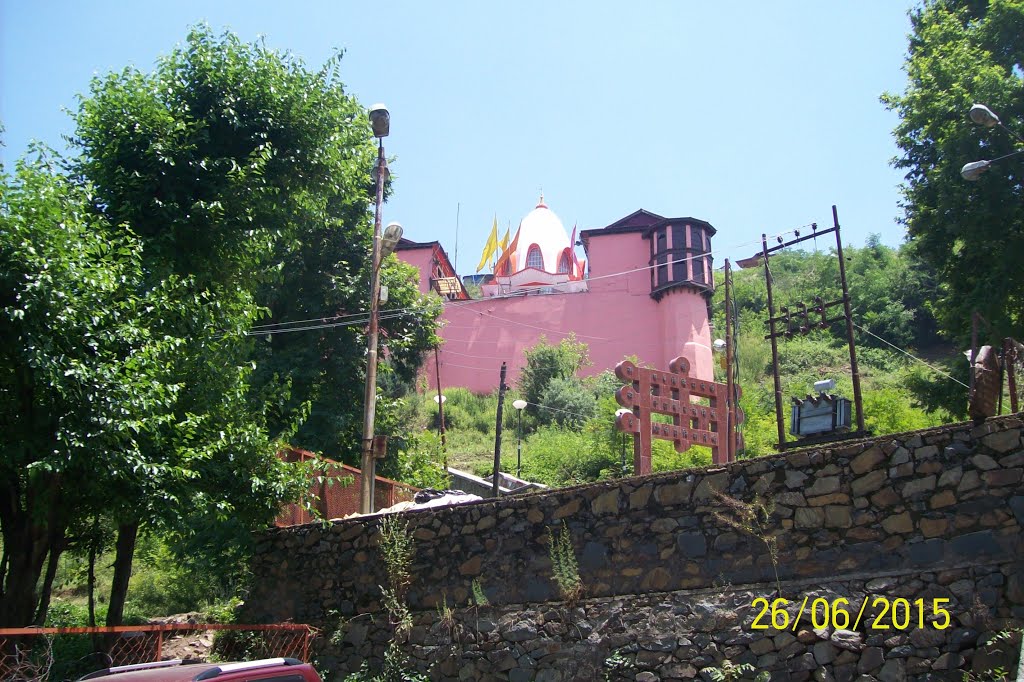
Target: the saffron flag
(490, 247)
(506, 257)
(504, 243)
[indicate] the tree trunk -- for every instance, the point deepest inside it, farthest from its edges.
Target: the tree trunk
(57, 544)
(124, 551)
(27, 548)
(92, 581)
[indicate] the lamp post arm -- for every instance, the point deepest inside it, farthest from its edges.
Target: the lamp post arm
(1007, 156)
(1012, 133)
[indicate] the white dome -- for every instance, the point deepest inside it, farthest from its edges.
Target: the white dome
(542, 227)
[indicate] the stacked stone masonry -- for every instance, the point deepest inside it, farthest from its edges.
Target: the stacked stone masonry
(670, 577)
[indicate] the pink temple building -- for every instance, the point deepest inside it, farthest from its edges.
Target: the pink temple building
(641, 289)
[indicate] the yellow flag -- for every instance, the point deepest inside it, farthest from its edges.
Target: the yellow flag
(504, 242)
(490, 247)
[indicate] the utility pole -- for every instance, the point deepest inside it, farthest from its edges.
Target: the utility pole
(367, 463)
(440, 400)
(497, 432)
(730, 380)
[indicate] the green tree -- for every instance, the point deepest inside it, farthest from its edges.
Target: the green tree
(90, 392)
(566, 402)
(546, 362)
(964, 52)
(889, 291)
(246, 176)
(239, 166)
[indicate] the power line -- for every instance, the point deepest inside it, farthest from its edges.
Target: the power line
(362, 317)
(348, 323)
(555, 409)
(467, 355)
(328, 319)
(475, 369)
(543, 329)
(912, 357)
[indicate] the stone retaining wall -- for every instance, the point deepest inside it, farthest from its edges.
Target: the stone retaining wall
(663, 564)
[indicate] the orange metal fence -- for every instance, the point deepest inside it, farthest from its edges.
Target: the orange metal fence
(57, 654)
(338, 493)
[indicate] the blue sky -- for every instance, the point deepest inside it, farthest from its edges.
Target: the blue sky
(756, 118)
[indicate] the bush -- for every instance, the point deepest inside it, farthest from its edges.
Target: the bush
(418, 461)
(463, 409)
(73, 654)
(890, 411)
(558, 457)
(567, 403)
(546, 362)
(665, 458)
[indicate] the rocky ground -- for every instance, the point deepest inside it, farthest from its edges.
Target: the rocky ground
(186, 645)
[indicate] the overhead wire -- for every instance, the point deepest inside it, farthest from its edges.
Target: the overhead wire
(389, 315)
(467, 355)
(478, 369)
(912, 357)
(556, 409)
(362, 317)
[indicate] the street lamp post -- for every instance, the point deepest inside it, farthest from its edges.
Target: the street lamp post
(519, 405)
(618, 413)
(380, 121)
(439, 399)
(984, 116)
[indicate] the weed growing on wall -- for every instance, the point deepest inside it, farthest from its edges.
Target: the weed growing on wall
(396, 550)
(729, 671)
(999, 673)
(395, 669)
(617, 665)
(479, 598)
(446, 619)
(564, 566)
(755, 519)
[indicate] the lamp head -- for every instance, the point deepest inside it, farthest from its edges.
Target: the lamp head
(973, 170)
(519, 404)
(984, 116)
(380, 120)
(389, 240)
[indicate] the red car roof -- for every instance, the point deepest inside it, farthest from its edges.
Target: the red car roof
(186, 672)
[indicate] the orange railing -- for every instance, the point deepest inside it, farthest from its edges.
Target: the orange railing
(55, 654)
(339, 497)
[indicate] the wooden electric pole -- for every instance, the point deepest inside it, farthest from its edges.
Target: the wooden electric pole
(497, 432)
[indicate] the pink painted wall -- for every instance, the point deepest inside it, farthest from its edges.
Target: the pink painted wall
(616, 318)
(423, 259)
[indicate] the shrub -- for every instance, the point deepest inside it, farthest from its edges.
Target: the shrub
(418, 461)
(559, 457)
(545, 362)
(567, 403)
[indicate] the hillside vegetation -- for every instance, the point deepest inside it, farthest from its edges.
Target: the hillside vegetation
(568, 433)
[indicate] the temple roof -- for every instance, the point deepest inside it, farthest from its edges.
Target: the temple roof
(541, 227)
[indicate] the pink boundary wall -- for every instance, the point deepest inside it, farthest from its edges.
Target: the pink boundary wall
(616, 318)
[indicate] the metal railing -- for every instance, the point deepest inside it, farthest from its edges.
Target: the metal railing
(57, 654)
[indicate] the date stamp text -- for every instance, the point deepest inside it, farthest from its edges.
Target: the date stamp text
(839, 614)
